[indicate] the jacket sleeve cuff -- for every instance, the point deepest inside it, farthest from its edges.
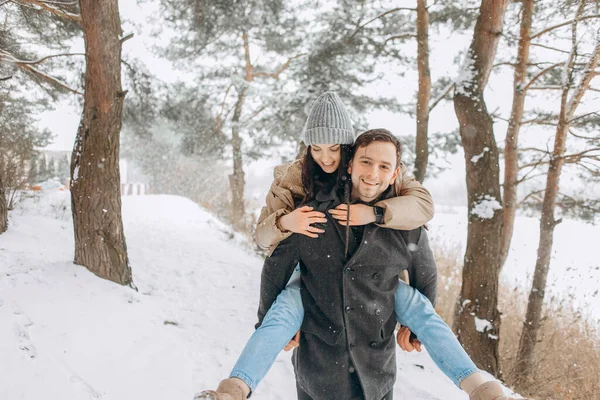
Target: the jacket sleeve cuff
(268, 234)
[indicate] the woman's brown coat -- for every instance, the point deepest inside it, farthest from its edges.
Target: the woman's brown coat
(411, 208)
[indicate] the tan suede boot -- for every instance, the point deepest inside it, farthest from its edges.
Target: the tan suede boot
(490, 391)
(229, 389)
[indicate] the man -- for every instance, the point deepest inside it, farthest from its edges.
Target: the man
(347, 342)
(349, 280)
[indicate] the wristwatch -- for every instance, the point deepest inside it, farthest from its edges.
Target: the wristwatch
(379, 212)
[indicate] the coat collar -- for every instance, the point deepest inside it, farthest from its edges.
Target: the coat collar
(329, 198)
(331, 195)
(328, 195)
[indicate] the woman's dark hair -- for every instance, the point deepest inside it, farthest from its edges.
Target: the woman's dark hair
(315, 179)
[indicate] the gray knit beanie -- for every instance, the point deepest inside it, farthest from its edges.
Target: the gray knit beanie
(328, 122)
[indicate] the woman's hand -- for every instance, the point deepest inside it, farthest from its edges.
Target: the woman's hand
(360, 214)
(295, 342)
(300, 220)
(403, 340)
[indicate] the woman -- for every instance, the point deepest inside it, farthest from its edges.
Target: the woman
(328, 134)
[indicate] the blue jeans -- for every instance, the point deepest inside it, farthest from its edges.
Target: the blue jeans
(412, 309)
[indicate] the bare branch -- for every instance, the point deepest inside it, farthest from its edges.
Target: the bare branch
(29, 67)
(219, 119)
(39, 61)
(578, 18)
(546, 88)
(275, 75)
(528, 177)
(49, 79)
(45, 5)
(535, 149)
(575, 158)
(129, 67)
(504, 63)
(544, 120)
(581, 136)
(540, 74)
(398, 37)
(254, 115)
(534, 164)
(5, 78)
(360, 27)
(581, 203)
(550, 48)
(584, 115)
(594, 172)
(532, 194)
(126, 38)
(444, 93)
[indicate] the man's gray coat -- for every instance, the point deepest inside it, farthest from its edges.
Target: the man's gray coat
(349, 317)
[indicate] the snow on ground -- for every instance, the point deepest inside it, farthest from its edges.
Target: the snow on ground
(68, 335)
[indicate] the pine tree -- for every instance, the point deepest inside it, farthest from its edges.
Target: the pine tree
(95, 182)
(33, 173)
(62, 170)
(44, 171)
(21, 70)
(478, 303)
(575, 84)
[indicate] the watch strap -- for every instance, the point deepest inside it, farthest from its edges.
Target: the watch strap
(379, 214)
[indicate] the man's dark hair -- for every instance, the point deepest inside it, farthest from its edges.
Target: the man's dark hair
(379, 135)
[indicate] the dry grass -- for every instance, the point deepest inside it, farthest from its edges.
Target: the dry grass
(567, 356)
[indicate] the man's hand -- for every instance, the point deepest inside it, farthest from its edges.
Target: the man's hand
(403, 340)
(300, 220)
(360, 214)
(295, 342)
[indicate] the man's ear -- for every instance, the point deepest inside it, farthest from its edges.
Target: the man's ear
(350, 167)
(393, 179)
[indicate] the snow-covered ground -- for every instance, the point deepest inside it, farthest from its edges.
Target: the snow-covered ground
(574, 267)
(68, 335)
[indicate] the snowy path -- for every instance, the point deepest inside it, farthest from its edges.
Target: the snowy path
(67, 335)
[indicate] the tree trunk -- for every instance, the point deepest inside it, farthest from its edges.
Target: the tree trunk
(511, 155)
(422, 145)
(95, 182)
(236, 180)
(3, 205)
(3, 202)
(533, 315)
(477, 320)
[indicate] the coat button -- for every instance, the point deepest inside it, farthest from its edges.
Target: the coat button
(348, 309)
(373, 345)
(347, 270)
(376, 275)
(378, 312)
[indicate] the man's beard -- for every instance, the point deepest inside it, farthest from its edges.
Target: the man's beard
(356, 194)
